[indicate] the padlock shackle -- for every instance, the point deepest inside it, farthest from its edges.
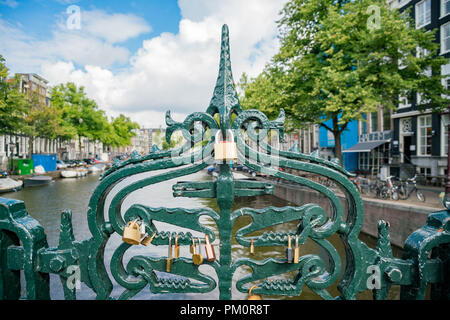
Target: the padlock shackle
(219, 131)
(251, 288)
(134, 224)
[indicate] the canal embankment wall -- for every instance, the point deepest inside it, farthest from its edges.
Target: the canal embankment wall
(54, 174)
(404, 218)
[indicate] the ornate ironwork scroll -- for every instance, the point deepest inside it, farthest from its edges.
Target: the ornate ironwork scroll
(23, 244)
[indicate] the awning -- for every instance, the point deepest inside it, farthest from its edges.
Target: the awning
(365, 146)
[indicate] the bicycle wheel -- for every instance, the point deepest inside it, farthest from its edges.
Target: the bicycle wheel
(420, 196)
(373, 190)
(402, 192)
(394, 195)
(384, 193)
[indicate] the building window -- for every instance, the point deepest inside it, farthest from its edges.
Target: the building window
(374, 121)
(421, 100)
(424, 135)
(372, 161)
(424, 171)
(444, 136)
(364, 124)
(404, 102)
(364, 161)
(445, 7)
(423, 13)
(386, 119)
(422, 52)
(445, 38)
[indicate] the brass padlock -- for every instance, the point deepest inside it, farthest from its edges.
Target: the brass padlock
(197, 258)
(169, 256)
(296, 250)
(210, 254)
(147, 239)
(225, 150)
(253, 296)
(132, 233)
(177, 248)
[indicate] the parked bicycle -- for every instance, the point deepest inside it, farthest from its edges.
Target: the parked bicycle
(362, 184)
(405, 189)
(381, 189)
(388, 189)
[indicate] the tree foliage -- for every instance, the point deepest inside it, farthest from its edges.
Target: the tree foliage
(124, 130)
(13, 103)
(334, 63)
(70, 114)
(82, 114)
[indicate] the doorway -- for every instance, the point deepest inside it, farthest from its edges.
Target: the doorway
(407, 149)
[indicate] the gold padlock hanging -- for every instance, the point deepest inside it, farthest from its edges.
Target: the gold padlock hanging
(147, 239)
(169, 255)
(197, 258)
(132, 233)
(225, 150)
(296, 250)
(177, 247)
(253, 296)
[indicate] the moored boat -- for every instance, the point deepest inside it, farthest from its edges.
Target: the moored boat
(81, 172)
(37, 181)
(68, 174)
(96, 168)
(10, 185)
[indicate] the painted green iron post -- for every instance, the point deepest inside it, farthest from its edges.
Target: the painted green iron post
(225, 199)
(16, 227)
(23, 244)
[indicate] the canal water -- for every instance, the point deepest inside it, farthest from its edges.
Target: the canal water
(46, 203)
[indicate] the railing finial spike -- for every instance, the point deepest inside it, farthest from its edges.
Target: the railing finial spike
(225, 98)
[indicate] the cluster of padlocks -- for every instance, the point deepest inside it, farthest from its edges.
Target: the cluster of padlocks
(134, 234)
(292, 254)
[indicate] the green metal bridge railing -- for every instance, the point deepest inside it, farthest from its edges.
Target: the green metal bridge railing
(24, 247)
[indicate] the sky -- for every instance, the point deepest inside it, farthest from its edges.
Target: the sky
(142, 57)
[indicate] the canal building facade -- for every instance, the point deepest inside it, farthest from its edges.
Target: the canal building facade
(406, 141)
(420, 139)
(18, 145)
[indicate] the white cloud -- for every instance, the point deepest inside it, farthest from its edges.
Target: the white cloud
(174, 72)
(93, 44)
(9, 3)
(113, 27)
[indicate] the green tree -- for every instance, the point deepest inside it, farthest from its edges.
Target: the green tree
(334, 63)
(78, 112)
(45, 121)
(124, 128)
(13, 103)
(176, 141)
